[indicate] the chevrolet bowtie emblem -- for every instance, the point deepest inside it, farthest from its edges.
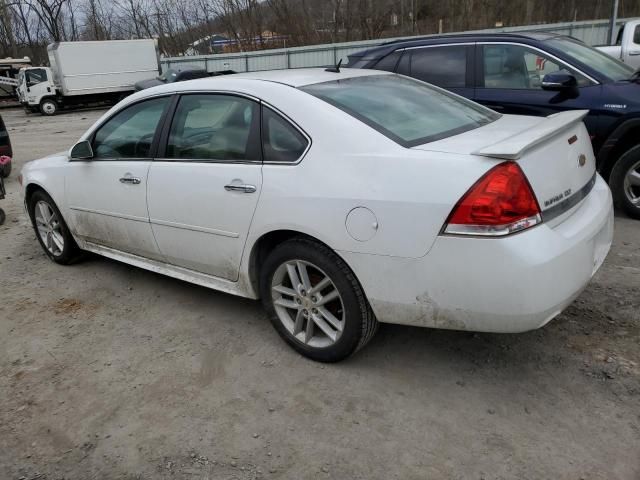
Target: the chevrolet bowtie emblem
(582, 159)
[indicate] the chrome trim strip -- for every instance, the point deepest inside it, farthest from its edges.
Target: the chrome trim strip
(205, 160)
(111, 214)
(569, 202)
(452, 44)
(195, 228)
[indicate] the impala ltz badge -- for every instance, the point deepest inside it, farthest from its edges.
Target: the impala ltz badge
(558, 198)
(582, 159)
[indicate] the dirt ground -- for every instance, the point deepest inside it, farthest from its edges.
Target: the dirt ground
(108, 371)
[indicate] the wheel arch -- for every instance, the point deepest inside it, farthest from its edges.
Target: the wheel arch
(266, 243)
(622, 139)
(31, 188)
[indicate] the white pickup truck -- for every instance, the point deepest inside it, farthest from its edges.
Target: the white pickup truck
(627, 47)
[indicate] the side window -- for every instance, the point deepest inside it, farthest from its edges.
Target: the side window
(442, 66)
(281, 141)
(517, 67)
(36, 75)
(129, 133)
(214, 127)
(636, 35)
(389, 62)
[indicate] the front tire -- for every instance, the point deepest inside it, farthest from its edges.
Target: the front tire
(51, 230)
(315, 301)
(625, 182)
(48, 107)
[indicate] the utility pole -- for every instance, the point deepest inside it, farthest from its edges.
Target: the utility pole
(612, 21)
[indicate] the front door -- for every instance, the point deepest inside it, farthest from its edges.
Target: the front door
(107, 194)
(509, 80)
(204, 186)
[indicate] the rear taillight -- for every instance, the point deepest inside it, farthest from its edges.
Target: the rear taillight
(500, 203)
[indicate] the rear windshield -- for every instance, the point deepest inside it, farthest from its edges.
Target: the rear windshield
(407, 111)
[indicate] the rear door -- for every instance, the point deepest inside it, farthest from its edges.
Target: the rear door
(509, 80)
(205, 183)
(447, 66)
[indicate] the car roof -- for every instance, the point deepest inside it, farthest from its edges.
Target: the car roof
(388, 47)
(480, 36)
(254, 83)
(299, 77)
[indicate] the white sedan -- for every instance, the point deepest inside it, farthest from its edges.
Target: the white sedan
(341, 199)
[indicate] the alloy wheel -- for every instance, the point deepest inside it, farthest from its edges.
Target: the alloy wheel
(49, 228)
(308, 303)
(632, 184)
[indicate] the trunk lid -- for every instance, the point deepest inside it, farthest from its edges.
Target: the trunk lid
(554, 152)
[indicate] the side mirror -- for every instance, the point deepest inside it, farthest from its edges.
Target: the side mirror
(82, 151)
(559, 81)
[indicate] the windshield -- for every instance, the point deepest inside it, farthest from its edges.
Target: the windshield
(407, 111)
(605, 65)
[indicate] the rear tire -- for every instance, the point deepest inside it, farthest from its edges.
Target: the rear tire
(3, 216)
(51, 230)
(625, 182)
(48, 107)
(324, 314)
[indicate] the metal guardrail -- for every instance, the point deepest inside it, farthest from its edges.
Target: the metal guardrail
(591, 32)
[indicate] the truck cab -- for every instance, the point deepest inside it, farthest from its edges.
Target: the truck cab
(35, 84)
(627, 47)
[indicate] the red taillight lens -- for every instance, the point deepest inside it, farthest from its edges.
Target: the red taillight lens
(500, 203)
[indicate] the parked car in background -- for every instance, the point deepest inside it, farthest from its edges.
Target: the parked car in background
(627, 46)
(6, 152)
(534, 74)
(341, 198)
(82, 73)
(173, 75)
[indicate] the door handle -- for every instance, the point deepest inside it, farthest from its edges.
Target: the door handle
(244, 188)
(633, 53)
(131, 180)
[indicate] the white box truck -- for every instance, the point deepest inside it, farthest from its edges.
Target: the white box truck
(82, 73)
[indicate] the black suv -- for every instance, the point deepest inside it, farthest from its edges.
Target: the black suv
(534, 74)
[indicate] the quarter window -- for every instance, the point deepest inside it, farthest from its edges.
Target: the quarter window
(442, 66)
(389, 62)
(281, 141)
(129, 133)
(214, 127)
(517, 67)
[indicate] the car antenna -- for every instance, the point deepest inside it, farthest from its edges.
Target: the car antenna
(335, 69)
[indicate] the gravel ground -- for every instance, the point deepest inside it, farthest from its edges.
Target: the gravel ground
(108, 371)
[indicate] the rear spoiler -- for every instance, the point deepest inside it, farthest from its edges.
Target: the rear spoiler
(513, 147)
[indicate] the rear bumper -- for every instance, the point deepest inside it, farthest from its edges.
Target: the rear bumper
(513, 284)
